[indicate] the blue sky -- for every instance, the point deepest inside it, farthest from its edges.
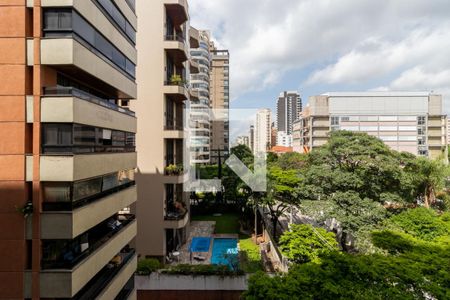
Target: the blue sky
(318, 46)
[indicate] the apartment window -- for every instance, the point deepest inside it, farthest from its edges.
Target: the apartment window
(388, 128)
(86, 188)
(63, 22)
(389, 138)
(407, 128)
(66, 196)
(407, 118)
(334, 121)
(388, 118)
(420, 131)
(421, 141)
(421, 120)
(369, 128)
(118, 18)
(407, 138)
(75, 138)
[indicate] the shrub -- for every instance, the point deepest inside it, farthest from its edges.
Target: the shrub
(147, 266)
(185, 269)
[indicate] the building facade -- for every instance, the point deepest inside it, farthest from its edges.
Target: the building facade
(243, 140)
(252, 138)
(67, 156)
(296, 141)
(163, 81)
(262, 131)
(284, 139)
(200, 126)
(289, 107)
(405, 121)
(220, 99)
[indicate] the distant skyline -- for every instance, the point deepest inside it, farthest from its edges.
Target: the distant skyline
(318, 46)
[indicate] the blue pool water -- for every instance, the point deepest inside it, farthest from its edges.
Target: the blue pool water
(200, 244)
(224, 251)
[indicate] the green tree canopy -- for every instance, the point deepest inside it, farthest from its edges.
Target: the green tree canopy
(304, 243)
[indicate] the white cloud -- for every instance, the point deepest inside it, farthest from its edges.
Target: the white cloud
(404, 43)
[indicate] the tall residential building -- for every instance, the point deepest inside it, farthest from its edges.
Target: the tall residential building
(67, 154)
(262, 130)
(273, 135)
(289, 107)
(296, 141)
(284, 139)
(243, 140)
(252, 138)
(220, 99)
(200, 119)
(164, 40)
(406, 121)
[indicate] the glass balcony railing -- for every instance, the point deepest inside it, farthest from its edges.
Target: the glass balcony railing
(68, 196)
(66, 254)
(100, 281)
(173, 124)
(176, 37)
(59, 91)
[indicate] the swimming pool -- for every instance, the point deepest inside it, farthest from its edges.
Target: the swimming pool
(200, 244)
(224, 252)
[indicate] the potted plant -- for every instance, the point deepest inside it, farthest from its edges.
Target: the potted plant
(171, 169)
(176, 79)
(26, 210)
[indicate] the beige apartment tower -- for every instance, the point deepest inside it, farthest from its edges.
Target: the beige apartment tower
(220, 99)
(163, 73)
(405, 121)
(67, 152)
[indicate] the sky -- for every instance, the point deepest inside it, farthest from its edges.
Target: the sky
(319, 46)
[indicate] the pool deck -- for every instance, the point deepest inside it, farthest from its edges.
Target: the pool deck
(200, 229)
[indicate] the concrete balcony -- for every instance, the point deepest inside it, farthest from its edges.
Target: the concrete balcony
(176, 223)
(176, 48)
(119, 281)
(177, 92)
(82, 108)
(194, 38)
(77, 167)
(195, 67)
(177, 11)
(70, 224)
(58, 283)
(72, 57)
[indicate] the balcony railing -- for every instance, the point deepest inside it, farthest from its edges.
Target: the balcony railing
(68, 258)
(126, 290)
(71, 91)
(100, 281)
(173, 124)
(175, 214)
(70, 205)
(177, 38)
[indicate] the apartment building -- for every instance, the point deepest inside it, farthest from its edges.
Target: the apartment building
(164, 40)
(252, 138)
(296, 140)
(405, 121)
(220, 99)
(262, 131)
(289, 107)
(284, 139)
(243, 140)
(67, 156)
(200, 98)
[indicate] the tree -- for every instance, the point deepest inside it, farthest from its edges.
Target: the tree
(430, 176)
(291, 161)
(418, 270)
(281, 194)
(304, 243)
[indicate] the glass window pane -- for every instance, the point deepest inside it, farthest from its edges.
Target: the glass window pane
(51, 20)
(65, 20)
(57, 192)
(84, 189)
(110, 181)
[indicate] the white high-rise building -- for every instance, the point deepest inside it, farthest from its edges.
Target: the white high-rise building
(243, 140)
(262, 130)
(284, 139)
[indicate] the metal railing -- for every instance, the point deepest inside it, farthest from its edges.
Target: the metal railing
(104, 277)
(69, 260)
(71, 91)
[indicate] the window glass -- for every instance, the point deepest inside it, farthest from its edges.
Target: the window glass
(118, 138)
(83, 29)
(65, 20)
(84, 135)
(57, 192)
(87, 188)
(57, 134)
(110, 181)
